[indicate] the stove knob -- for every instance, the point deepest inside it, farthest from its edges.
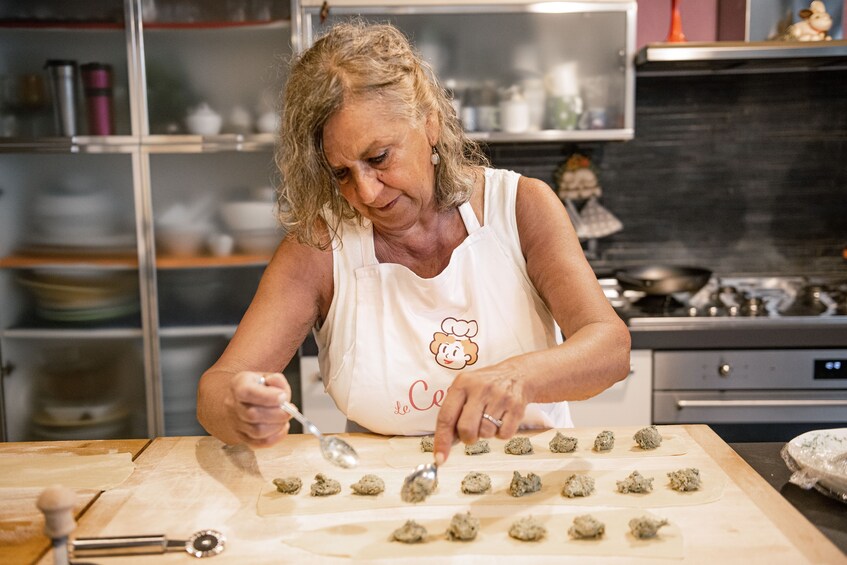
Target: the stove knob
(724, 369)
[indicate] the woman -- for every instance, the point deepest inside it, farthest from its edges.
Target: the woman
(433, 283)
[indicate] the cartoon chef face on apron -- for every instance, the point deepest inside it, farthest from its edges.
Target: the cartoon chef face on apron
(453, 347)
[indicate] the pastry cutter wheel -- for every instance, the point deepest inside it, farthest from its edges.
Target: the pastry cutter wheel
(205, 543)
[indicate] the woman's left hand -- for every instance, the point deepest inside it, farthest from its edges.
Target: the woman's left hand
(475, 403)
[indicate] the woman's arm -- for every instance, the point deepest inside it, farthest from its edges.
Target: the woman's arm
(293, 293)
(594, 356)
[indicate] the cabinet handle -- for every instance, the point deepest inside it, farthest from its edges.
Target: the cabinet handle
(680, 404)
(6, 370)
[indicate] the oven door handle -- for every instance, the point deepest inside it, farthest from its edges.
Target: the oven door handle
(680, 404)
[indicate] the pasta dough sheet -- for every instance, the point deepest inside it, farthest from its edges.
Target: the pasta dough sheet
(366, 540)
(449, 492)
(99, 472)
(405, 452)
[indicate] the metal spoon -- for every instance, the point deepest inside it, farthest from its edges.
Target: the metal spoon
(426, 475)
(334, 449)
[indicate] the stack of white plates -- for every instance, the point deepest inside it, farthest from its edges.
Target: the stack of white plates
(79, 221)
(77, 421)
(82, 295)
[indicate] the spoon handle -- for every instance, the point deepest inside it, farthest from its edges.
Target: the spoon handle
(307, 425)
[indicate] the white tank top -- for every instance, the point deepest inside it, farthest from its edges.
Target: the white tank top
(393, 342)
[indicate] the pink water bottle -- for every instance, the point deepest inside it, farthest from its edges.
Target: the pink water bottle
(97, 82)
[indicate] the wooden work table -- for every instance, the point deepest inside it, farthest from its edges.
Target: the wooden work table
(21, 524)
(181, 485)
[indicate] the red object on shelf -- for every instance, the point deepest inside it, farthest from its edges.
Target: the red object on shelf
(675, 34)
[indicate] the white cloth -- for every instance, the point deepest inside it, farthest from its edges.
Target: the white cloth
(393, 342)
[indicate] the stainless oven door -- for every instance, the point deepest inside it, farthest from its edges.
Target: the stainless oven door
(761, 415)
(762, 406)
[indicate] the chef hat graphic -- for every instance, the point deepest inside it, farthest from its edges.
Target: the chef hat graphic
(459, 328)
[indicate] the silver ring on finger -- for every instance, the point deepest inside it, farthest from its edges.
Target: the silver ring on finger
(262, 381)
(496, 421)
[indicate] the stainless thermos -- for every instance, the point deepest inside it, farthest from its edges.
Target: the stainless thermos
(63, 83)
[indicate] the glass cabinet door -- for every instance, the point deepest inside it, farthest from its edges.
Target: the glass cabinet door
(214, 68)
(215, 229)
(71, 336)
(517, 71)
(63, 69)
(213, 73)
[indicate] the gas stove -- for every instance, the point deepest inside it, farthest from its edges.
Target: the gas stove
(737, 301)
(755, 358)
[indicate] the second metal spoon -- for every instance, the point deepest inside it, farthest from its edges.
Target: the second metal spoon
(334, 449)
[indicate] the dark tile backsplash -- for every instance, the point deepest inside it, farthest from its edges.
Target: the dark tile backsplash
(741, 174)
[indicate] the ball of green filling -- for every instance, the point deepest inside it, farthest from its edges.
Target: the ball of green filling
(288, 485)
(521, 485)
(410, 532)
(604, 441)
(518, 446)
(586, 526)
(368, 485)
(527, 529)
(646, 527)
(463, 527)
(648, 438)
(562, 443)
(685, 480)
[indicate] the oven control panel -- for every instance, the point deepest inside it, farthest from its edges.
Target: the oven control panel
(831, 368)
(750, 369)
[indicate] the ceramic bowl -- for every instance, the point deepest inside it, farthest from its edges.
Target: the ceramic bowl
(258, 242)
(268, 122)
(204, 123)
(73, 214)
(181, 241)
(249, 215)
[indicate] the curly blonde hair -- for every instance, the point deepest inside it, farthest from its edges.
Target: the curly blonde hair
(358, 59)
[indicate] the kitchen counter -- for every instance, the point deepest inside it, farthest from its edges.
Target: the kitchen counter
(827, 514)
(185, 484)
(203, 485)
(21, 524)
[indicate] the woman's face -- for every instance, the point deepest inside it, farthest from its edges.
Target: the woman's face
(382, 163)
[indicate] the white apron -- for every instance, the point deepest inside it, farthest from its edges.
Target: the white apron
(414, 335)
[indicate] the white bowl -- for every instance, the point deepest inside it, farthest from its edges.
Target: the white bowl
(258, 242)
(249, 215)
(268, 122)
(61, 215)
(204, 124)
(181, 241)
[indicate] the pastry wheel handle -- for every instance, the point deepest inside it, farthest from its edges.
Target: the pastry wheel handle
(203, 543)
(123, 545)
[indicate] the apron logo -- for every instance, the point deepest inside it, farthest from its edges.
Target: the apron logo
(453, 347)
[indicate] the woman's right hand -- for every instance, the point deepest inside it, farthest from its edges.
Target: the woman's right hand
(252, 406)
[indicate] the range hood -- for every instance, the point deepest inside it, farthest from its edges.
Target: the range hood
(741, 57)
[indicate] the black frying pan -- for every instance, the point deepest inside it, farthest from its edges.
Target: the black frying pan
(663, 279)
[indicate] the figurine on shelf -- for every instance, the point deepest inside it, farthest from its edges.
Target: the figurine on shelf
(576, 180)
(814, 25)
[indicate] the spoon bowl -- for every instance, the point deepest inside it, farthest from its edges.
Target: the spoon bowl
(420, 482)
(334, 449)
